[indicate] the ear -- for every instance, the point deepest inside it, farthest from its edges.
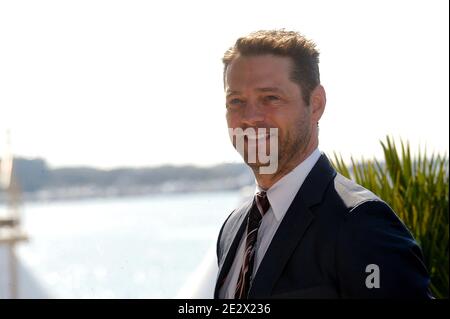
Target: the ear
(317, 101)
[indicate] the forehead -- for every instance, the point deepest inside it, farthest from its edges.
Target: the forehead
(258, 71)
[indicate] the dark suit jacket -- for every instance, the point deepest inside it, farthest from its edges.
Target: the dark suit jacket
(332, 231)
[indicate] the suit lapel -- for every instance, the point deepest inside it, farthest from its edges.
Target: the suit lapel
(290, 232)
(292, 228)
(236, 233)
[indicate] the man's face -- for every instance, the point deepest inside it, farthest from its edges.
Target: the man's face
(260, 94)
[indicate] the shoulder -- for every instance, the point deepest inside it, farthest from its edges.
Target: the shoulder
(345, 200)
(365, 212)
(231, 225)
(364, 208)
(353, 194)
(372, 235)
(236, 216)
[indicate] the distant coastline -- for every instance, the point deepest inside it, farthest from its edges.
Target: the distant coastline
(38, 182)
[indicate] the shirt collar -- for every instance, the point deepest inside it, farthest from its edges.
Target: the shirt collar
(282, 193)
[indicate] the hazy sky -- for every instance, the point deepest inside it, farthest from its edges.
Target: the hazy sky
(137, 83)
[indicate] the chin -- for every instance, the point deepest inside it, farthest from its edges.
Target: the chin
(255, 167)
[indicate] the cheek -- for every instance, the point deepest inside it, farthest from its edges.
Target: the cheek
(229, 119)
(297, 118)
(232, 119)
(288, 124)
(282, 121)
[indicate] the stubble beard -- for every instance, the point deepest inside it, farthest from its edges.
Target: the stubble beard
(291, 149)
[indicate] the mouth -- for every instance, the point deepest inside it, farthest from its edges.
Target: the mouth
(253, 136)
(257, 137)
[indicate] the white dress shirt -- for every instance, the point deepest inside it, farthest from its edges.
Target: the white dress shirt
(280, 196)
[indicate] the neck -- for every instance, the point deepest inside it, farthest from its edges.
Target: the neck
(266, 181)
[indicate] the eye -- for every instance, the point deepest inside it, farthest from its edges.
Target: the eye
(235, 102)
(270, 98)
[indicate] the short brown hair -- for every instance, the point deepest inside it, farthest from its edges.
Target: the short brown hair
(291, 44)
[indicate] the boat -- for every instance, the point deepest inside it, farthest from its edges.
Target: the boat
(16, 281)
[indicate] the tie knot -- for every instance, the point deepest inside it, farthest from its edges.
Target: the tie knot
(262, 202)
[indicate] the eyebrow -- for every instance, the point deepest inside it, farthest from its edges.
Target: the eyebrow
(229, 93)
(265, 89)
(269, 89)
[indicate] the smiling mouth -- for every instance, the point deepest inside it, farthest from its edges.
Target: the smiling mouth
(253, 135)
(257, 137)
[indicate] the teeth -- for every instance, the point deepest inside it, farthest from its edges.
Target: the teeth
(257, 137)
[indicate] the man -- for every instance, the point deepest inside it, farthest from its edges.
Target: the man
(308, 232)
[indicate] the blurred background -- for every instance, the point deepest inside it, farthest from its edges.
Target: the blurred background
(112, 121)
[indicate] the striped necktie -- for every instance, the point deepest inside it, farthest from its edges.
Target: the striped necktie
(260, 206)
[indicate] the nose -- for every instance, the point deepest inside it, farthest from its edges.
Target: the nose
(253, 114)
